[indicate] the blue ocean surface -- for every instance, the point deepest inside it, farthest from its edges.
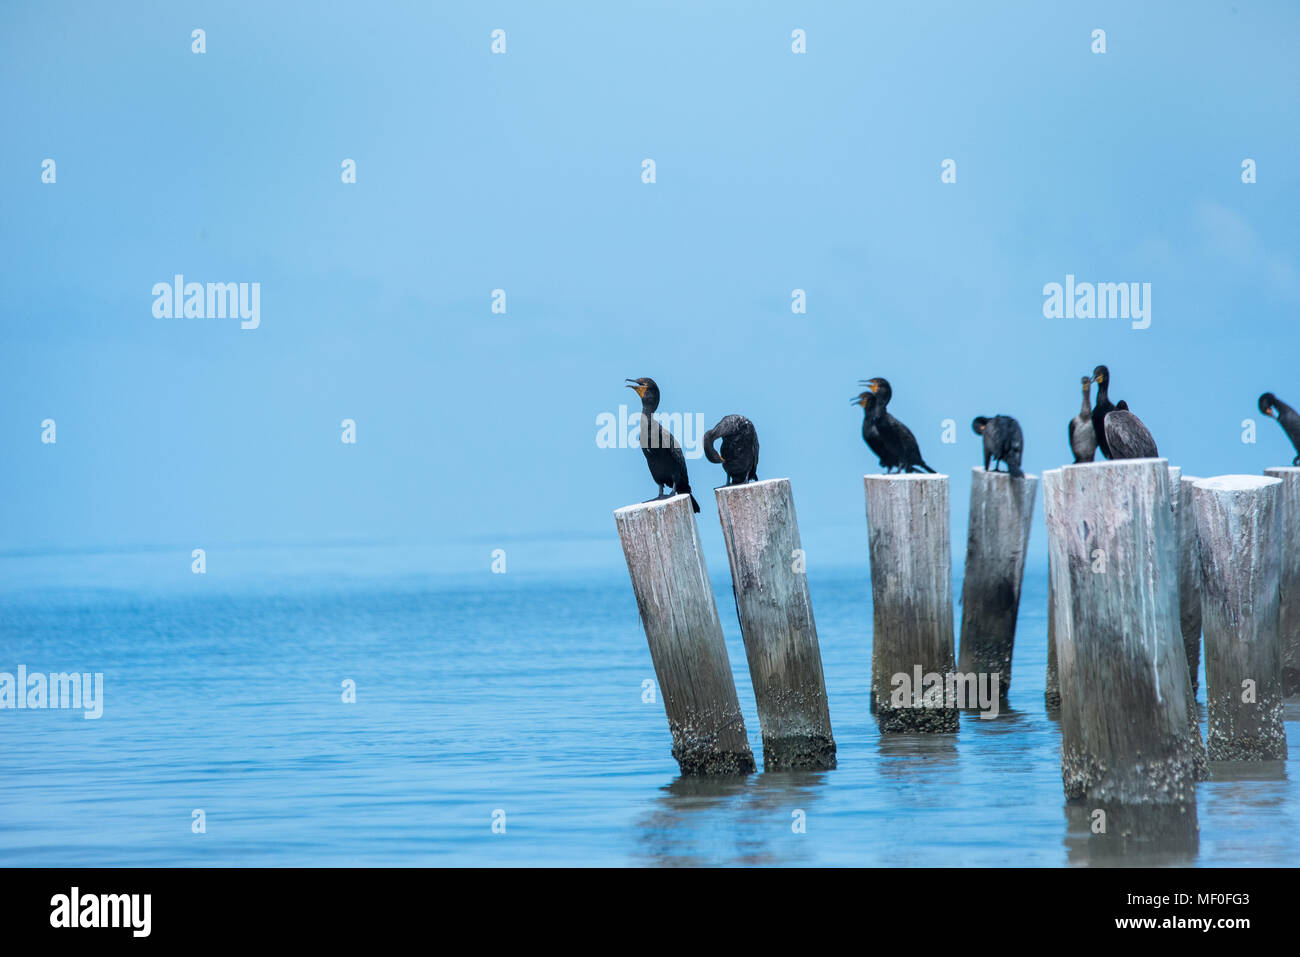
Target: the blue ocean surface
(516, 697)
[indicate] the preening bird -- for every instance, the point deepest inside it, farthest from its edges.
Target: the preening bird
(871, 435)
(1003, 441)
(1083, 440)
(663, 453)
(1287, 417)
(739, 458)
(897, 439)
(1120, 434)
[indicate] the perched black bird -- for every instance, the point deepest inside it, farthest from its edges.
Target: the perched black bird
(1286, 416)
(1083, 440)
(739, 458)
(898, 440)
(1003, 441)
(871, 435)
(663, 453)
(1120, 434)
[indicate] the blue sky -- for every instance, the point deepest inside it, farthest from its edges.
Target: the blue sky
(522, 172)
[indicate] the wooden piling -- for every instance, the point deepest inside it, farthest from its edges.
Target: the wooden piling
(997, 541)
(1238, 526)
(1289, 576)
(1189, 579)
(911, 593)
(666, 564)
(776, 619)
(1125, 738)
(1178, 497)
(1052, 687)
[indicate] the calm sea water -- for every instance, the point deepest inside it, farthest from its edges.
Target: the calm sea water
(514, 693)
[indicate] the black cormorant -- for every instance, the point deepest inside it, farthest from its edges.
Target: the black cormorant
(1286, 416)
(739, 458)
(1083, 439)
(871, 435)
(1120, 434)
(1003, 442)
(897, 438)
(663, 453)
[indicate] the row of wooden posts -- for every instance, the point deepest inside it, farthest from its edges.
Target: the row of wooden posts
(1141, 561)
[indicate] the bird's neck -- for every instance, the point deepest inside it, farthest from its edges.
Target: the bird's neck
(1087, 406)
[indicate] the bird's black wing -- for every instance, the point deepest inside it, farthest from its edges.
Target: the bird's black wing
(1128, 437)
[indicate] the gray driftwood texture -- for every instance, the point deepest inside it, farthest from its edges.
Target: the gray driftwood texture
(1189, 578)
(1001, 515)
(911, 596)
(776, 620)
(1237, 522)
(666, 564)
(1125, 735)
(1289, 577)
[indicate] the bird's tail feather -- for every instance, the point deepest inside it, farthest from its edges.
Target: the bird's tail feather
(684, 489)
(922, 465)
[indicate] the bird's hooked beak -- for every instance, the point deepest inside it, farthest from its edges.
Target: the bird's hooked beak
(1098, 378)
(873, 386)
(1271, 412)
(635, 386)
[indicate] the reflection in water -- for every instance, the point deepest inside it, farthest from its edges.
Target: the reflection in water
(1133, 835)
(747, 821)
(1228, 771)
(908, 753)
(1007, 720)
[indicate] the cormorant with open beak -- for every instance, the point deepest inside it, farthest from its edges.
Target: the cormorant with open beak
(663, 453)
(1287, 417)
(1003, 442)
(871, 435)
(897, 438)
(1083, 439)
(739, 458)
(1120, 434)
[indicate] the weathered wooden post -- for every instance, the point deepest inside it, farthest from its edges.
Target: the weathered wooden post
(1052, 689)
(1289, 576)
(1125, 738)
(997, 541)
(776, 619)
(1189, 579)
(1237, 522)
(1178, 497)
(666, 564)
(911, 597)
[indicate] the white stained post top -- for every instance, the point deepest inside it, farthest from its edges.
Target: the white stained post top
(648, 506)
(1111, 463)
(1237, 483)
(729, 489)
(910, 476)
(980, 470)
